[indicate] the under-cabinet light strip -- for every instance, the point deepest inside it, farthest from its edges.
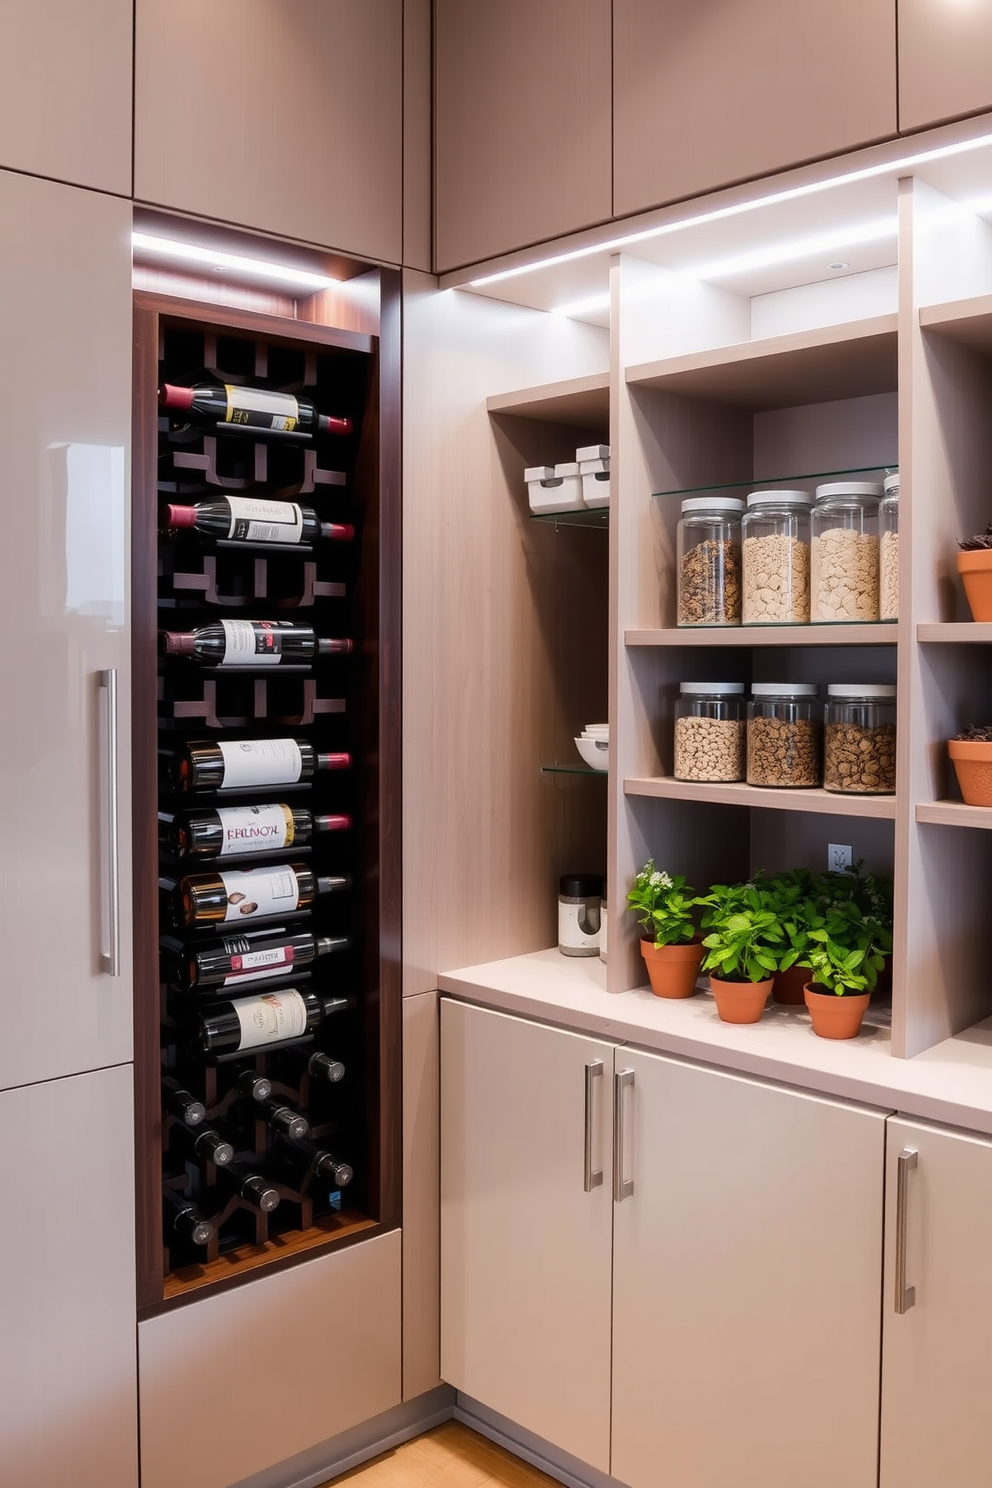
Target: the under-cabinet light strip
(237, 263)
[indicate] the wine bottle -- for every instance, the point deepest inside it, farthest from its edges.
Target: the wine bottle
(279, 1117)
(268, 1018)
(300, 1157)
(240, 894)
(203, 1144)
(247, 764)
(253, 519)
(256, 1087)
(183, 1219)
(238, 960)
(322, 1067)
(239, 1177)
(251, 643)
(231, 831)
(179, 1101)
(206, 403)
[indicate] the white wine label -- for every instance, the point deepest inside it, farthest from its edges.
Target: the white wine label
(260, 409)
(260, 762)
(265, 521)
(253, 642)
(255, 966)
(249, 829)
(274, 1016)
(254, 892)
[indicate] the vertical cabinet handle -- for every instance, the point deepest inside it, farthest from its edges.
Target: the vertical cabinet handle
(590, 1180)
(622, 1188)
(905, 1295)
(111, 963)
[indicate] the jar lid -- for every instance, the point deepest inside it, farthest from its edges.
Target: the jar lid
(861, 690)
(784, 498)
(834, 489)
(581, 885)
(784, 689)
(891, 484)
(717, 689)
(713, 503)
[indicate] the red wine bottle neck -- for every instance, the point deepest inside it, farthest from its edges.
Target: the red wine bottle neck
(182, 516)
(176, 397)
(177, 643)
(333, 761)
(337, 531)
(330, 646)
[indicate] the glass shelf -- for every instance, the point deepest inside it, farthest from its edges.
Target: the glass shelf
(770, 482)
(597, 516)
(572, 770)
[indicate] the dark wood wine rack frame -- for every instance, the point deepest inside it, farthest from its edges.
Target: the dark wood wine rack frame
(377, 480)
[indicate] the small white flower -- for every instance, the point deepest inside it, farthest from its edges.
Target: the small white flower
(655, 879)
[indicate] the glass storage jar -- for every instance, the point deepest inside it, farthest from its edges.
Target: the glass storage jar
(775, 558)
(844, 553)
(783, 734)
(888, 550)
(709, 731)
(709, 561)
(859, 739)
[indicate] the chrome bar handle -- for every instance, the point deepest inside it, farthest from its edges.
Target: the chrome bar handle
(622, 1188)
(111, 963)
(590, 1180)
(905, 1295)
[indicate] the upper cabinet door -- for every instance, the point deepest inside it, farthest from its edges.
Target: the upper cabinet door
(65, 90)
(280, 115)
(709, 93)
(65, 417)
(522, 134)
(944, 52)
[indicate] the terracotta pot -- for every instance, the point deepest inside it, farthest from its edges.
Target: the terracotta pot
(976, 574)
(672, 969)
(836, 1017)
(973, 767)
(788, 988)
(740, 1002)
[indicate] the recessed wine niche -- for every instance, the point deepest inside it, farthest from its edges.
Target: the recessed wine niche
(266, 789)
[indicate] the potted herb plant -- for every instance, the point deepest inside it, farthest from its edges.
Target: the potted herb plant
(975, 568)
(743, 949)
(665, 907)
(971, 754)
(846, 951)
(793, 896)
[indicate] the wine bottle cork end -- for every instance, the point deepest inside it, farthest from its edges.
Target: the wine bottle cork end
(175, 397)
(181, 516)
(176, 644)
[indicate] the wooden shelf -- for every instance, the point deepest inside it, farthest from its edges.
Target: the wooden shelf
(583, 401)
(767, 635)
(961, 632)
(955, 814)
(328, 1231)
(824, 803)
(841, 361)
(966, 321)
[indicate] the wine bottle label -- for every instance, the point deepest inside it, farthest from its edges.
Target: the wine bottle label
(265, 521)
(260, 762)
(270, 1018)
(253, 642)
(255, 966)
(254, 892)
(260, 409)
(250, 829)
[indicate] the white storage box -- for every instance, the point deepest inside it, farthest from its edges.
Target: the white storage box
(554, 489)
(595, 477)
(593, 452)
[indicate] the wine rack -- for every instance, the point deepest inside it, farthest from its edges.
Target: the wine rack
(339, 704)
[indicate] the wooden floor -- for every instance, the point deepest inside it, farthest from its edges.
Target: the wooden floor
(450, 1456)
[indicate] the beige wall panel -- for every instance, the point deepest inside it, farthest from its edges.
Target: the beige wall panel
(281, 115)
(68, 1391)
(522, 133)
(944, 52)
(242, 1380)
(418, 127)
(65, 90)
(714, 92)
(421, 1197)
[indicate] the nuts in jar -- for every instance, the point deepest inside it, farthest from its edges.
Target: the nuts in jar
(859, 739)
(844, 553)
(709, 561)
(709, 731)
(775, 557)
(783, 735)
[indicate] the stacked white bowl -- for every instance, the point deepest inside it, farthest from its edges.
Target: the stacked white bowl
(594, 745)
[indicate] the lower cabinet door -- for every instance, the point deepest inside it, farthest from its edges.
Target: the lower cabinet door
(68, 1384)
(747, 1284)
(526, 1220)
(937, 1312)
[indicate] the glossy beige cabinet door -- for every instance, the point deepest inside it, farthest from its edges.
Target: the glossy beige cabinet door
(944, 51)
(937, 1354)
(525, 1247)
(65, 321)
(746, 1283)
(68, 1390)
(65, 90)
(709, 93)
(522, 129)
(281, 115)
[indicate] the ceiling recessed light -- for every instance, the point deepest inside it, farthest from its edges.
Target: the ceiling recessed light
(840, 264)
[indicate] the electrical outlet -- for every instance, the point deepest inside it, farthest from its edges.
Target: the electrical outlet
(839, 857)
